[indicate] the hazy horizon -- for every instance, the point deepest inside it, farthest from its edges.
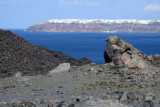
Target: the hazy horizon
(20, 14)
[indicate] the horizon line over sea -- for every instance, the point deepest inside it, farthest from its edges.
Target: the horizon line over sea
(14, 29)
(87, 44)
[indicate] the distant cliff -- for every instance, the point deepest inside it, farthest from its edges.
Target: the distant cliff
(97, 25)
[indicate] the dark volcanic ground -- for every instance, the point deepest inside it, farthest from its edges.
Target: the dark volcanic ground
(17, 55)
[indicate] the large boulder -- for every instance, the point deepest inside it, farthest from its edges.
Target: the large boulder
(124, 54)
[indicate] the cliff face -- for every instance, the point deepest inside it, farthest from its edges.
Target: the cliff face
(111, 26)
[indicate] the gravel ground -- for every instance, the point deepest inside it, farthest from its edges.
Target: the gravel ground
(102, 81)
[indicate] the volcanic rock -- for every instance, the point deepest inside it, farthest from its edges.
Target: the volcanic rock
(124, 97)
(156, 60)
(124, 54)
(64, 67)
(17, 55)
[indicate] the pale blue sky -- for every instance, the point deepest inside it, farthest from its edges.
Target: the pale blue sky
(23, 13)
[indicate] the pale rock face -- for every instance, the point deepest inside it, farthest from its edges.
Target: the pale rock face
(18, 74)
(64, 67)
(124, 54)
(124, 97)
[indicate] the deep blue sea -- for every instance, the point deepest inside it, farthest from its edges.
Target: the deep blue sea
(89, 45)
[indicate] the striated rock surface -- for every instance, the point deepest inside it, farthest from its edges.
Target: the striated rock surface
(17, 55)
(124, 54)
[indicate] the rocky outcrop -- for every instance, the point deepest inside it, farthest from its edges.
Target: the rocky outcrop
(155, 60)
(17, 55)
(124, 54)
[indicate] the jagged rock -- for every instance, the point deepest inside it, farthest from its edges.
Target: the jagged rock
(15, 102)
(103, 103)
(150, 58)
(156, 60)
(150, 96)
(17, 55)
(18, 74)
(124, 54)
(64, 67)
(155, 103)
(124, 97)
(93, 70)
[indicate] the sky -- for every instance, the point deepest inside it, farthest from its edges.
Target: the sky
(20, 14)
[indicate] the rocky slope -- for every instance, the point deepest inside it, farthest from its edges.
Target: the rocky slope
(97, 25)
(17, 55)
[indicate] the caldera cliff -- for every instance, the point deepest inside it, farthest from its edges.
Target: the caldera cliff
(97, 25)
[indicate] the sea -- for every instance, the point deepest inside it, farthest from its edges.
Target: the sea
(89, 45)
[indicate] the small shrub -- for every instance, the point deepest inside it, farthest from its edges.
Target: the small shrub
(157, 88)
(133, 88)
(78, 87)
(147, 95)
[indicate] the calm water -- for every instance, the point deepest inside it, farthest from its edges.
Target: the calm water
(90, 45)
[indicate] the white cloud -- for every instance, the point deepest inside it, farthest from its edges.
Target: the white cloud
(152, 8)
